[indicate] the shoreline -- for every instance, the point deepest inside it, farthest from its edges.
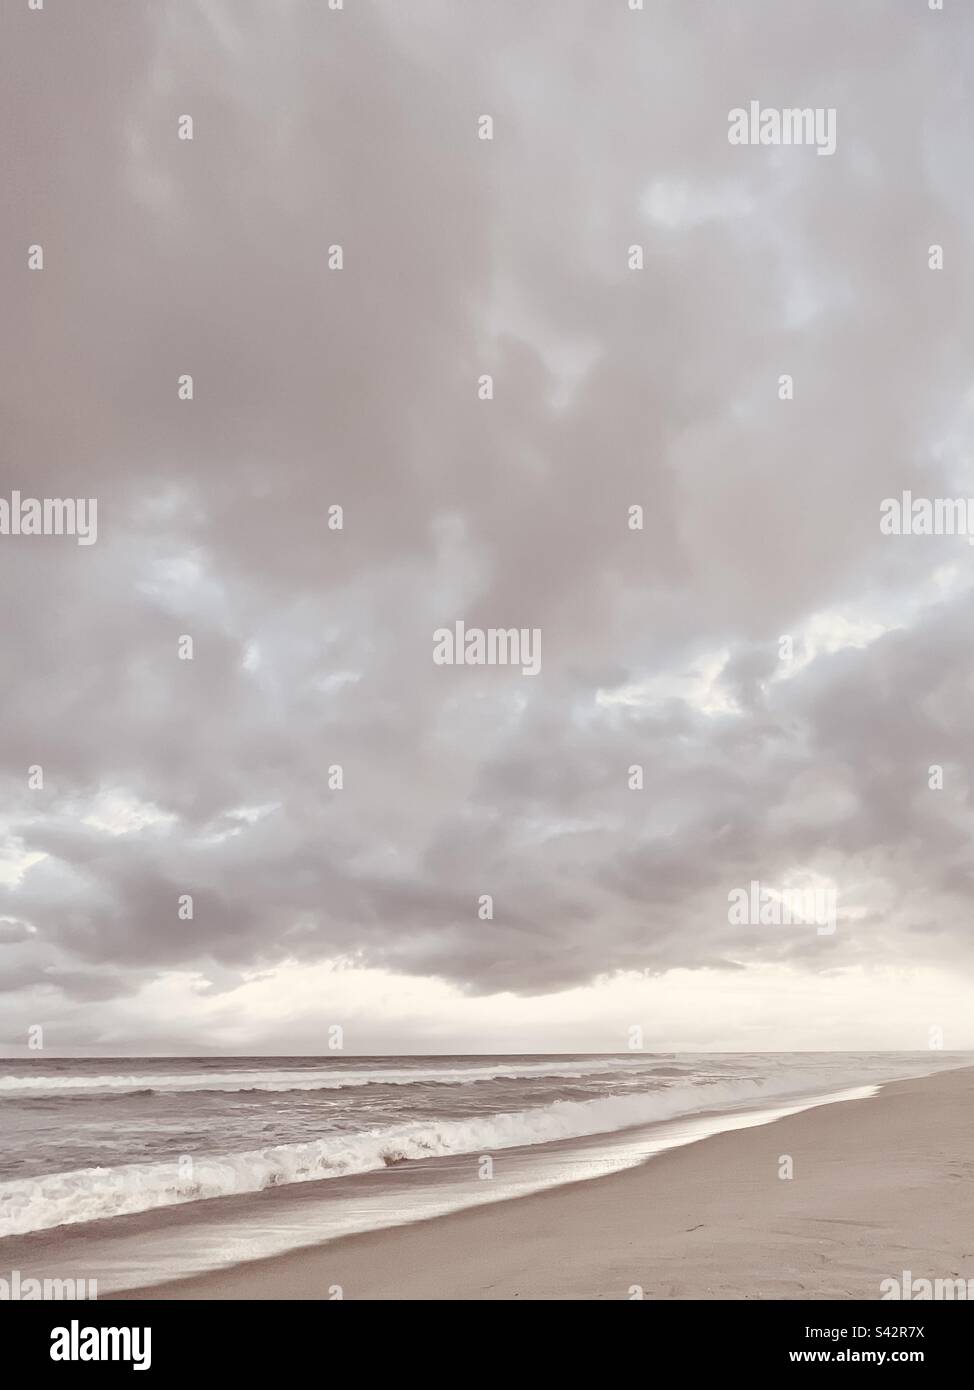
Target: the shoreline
(877, 1188)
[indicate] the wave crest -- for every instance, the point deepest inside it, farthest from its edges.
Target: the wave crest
(90, 1194)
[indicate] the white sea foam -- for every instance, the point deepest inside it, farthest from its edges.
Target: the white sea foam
(19, 1087)
(88, 1194)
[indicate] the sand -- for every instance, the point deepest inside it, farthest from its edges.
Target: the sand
(880, 1186)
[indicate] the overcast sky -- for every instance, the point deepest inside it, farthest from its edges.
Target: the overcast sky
(358, 388)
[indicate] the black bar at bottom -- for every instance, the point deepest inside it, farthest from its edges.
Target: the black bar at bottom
(278, 1338)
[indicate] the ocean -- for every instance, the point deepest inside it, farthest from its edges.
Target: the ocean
(137, 1170)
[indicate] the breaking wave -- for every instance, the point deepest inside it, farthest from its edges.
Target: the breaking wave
(90, 1194)
(21, 1087)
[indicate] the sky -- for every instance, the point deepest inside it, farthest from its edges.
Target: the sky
(785, 675)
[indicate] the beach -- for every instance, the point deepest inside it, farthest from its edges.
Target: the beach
(880, 1186)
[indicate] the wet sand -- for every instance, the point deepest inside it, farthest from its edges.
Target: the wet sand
(879, 1186)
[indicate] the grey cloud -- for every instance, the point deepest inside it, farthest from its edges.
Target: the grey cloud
(613, 387)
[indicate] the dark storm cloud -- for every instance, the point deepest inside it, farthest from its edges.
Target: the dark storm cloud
(612, 388)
